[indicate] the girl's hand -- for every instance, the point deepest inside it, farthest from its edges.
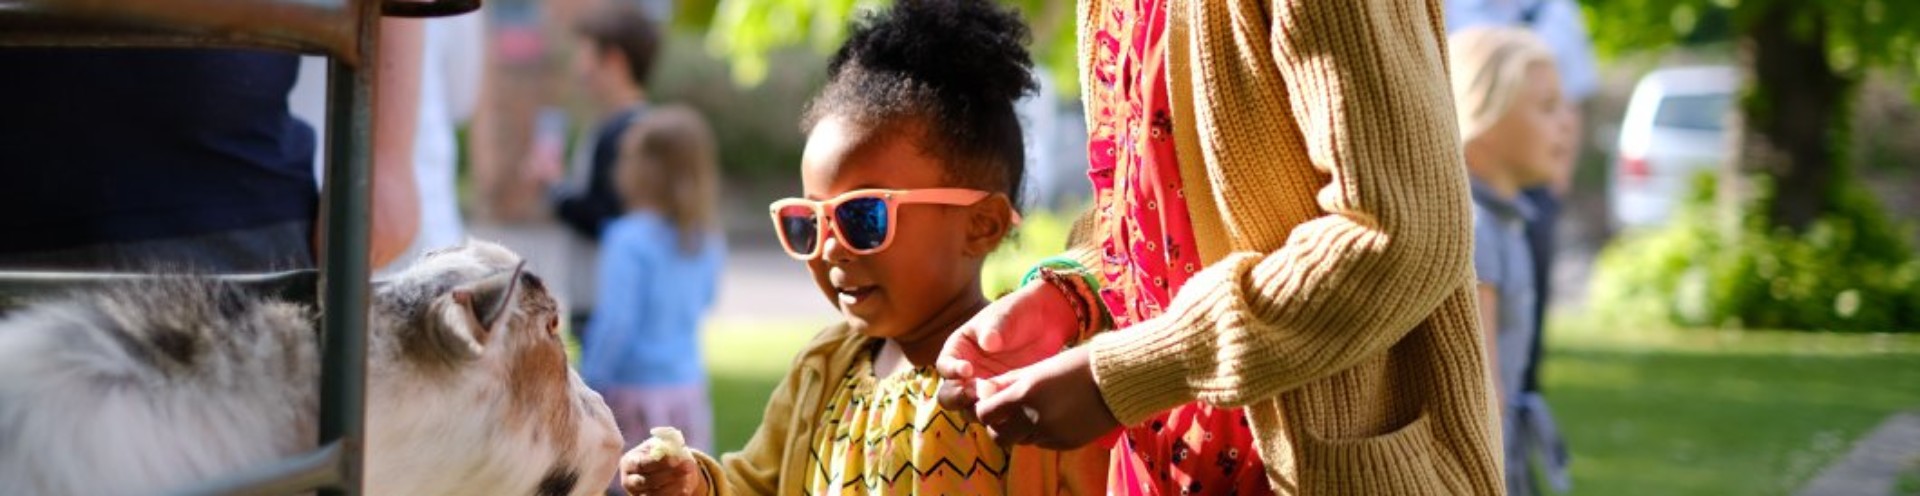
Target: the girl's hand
(1022, 328)
(1054, 404)
(661, 465)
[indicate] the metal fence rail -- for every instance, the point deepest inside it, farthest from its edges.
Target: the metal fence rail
(347, 31)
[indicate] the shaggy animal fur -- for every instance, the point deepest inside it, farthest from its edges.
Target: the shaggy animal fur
(156, 385)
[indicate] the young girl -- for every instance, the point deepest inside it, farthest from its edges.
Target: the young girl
(659, 268)
(1516, 133)
(913, 155)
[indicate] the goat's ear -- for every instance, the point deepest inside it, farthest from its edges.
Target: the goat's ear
(466, 318)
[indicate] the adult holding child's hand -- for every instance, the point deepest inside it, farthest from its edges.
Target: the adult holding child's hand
(1041, 321)
(1282, 249)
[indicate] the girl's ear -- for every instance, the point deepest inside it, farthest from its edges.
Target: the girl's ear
(989, 222)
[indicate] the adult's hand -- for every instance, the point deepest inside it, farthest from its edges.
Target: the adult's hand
(1022, 328)
(1054, 404)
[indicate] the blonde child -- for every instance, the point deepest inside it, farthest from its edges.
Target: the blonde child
(1515, 131)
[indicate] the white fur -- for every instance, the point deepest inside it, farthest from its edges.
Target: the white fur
(78, 415)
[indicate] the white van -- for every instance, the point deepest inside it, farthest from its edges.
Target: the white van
(1676, 127)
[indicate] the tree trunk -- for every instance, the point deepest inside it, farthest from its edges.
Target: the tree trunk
(1792, 119)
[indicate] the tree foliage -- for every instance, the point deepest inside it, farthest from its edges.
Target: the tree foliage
(1859, 34)
(1793, 240)
(747, 32)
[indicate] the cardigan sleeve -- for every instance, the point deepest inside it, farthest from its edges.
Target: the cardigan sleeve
(1356, 90)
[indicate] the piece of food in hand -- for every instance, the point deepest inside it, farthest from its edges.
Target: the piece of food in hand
(667, 442)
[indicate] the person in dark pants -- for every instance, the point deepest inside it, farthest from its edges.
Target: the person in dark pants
(143, 159)
(1540, 231)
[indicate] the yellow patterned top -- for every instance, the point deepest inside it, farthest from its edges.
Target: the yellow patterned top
(890, 436)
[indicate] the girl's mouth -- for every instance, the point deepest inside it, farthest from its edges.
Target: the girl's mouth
(850, 296)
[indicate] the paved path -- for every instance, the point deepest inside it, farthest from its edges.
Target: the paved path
(1876, 461)
(759, 284)
(764, 284)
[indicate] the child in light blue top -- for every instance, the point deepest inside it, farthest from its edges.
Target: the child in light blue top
(1517, 133)
(659, 272)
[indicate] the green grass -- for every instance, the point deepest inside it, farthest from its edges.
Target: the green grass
(1645, 411)
(1909, 482)
(1720, 412)
(745, 361)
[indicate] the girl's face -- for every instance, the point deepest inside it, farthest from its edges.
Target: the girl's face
(1534, 140)
(933, 264)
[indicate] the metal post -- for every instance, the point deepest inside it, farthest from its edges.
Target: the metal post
(346, 208)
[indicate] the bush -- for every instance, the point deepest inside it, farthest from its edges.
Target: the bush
(757, 128)
(1852, 270)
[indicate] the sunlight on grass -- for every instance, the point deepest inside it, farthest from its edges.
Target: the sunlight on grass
(1909, 482)
(1663, 411)
(745, 361)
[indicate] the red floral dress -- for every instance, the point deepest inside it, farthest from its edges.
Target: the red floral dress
(1149, 253)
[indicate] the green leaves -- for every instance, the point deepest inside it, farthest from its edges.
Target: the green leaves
(747, 32)
(1860, 34)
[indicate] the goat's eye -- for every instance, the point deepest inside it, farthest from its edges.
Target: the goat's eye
(553, 326)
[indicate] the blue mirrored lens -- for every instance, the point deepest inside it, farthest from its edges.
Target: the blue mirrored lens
(863, 222)
(800, 229)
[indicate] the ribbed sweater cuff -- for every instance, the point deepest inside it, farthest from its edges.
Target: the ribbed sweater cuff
(1141, 370)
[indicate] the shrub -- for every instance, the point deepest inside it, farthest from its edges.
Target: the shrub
(1851, 270)
(757, 128)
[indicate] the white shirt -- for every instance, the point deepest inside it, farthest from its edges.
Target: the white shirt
(452, 51)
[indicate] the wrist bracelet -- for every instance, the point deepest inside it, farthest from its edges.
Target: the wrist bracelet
(1073, 286)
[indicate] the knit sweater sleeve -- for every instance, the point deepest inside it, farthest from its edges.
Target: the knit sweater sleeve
(1355, 91)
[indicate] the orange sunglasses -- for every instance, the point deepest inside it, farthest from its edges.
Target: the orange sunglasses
(863, 219)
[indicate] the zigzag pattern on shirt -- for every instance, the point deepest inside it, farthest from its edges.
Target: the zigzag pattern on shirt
(875, 483)
(881, 473)
(957, 425)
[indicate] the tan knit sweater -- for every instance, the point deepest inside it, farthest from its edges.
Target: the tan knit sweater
(1323, 171)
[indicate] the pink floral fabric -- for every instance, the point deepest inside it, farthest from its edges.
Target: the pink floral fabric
(1149, 253)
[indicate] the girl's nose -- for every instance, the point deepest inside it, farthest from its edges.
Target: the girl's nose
(832, 250)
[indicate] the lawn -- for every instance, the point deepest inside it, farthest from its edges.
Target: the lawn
(1720, 412)
(1645, 412)
(745, 361)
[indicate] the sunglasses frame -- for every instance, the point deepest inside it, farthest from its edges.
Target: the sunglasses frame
(826, 221)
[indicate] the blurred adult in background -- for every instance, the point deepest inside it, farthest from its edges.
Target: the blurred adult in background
(451, 71)
(614, 52)
(615, 56)
(450, 82)
(149, 158)
(1515, 137)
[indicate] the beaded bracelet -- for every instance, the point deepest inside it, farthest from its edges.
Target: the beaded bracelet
(1074, 289)
(1079, 285)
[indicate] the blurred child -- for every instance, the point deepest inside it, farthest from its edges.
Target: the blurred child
(1515, 133)
(913, 157)
(618, 47)
(659, 268)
